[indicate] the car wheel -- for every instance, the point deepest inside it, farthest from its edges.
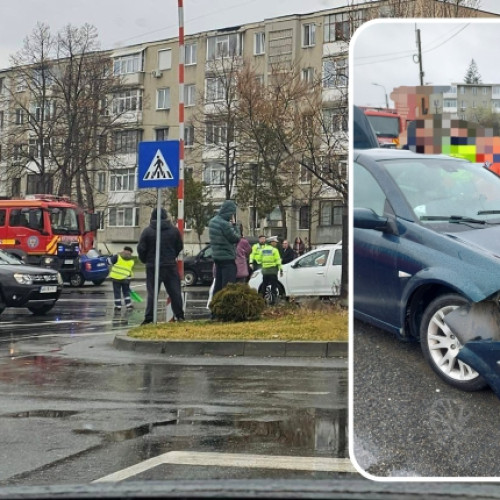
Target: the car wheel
(270, 299)
(40, 310)
(76, 279)
(190, 278)
(98, 282)
(440, 346)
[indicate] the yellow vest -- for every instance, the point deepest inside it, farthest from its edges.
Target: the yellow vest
(122, 270)
(270, 259)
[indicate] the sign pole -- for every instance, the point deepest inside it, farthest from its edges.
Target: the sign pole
(157, 255)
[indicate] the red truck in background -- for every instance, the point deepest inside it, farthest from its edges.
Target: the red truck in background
(47, 231)
(387, 125)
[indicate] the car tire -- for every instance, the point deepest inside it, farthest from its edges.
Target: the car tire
(190, 278)
(440, 346)
(76, 279)
(98, 282)
(41, 310)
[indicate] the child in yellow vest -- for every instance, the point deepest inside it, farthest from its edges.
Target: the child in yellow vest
(121, 274)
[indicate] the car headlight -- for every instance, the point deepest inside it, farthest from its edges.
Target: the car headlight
(60, 281)
(48, 260)
(23, 279)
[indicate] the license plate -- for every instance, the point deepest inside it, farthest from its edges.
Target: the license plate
(101, 264)
(68, 261)
(48, 289)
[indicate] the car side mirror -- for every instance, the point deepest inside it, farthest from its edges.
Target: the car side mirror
(366, 218)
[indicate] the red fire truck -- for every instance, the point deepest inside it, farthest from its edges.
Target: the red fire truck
(48, 231)
(387, 125)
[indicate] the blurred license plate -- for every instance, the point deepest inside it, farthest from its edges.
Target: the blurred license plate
(48, 289)
(68, 261)
(101, 264)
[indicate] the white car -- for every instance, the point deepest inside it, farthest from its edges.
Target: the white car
(316, 273)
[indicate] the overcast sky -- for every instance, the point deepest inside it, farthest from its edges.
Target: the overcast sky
(447, 49)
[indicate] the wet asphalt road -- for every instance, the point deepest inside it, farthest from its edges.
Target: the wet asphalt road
(408, 423)
(74, 409)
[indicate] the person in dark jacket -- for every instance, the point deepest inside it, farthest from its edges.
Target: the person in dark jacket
(170, 246)
(287, 253)
(224, 235)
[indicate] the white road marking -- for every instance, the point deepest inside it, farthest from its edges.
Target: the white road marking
(313, 464)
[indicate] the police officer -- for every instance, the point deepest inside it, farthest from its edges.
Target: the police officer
(271, 265)
(255, 257)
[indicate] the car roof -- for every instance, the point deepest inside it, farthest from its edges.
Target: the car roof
(392, 154)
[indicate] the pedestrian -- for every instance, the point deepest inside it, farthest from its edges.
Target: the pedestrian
(224, 235)
(256, 257)
(122, 265)
(287, 254)
(271, 265)
(243, 250)
(298, 247)
(171, 246)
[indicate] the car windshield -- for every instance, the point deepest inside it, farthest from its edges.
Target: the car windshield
(447, 190)
(64, 220)
(6, 259)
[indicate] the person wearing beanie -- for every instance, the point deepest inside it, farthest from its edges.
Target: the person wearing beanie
(171, 245)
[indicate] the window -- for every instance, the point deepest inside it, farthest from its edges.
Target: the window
(130, 100)
(16, 187)
(224, 46)
(39, 184)
(103, 144)
(304, 217)
(189, 95)
(450, 103)
(123, 217)
(463, 104)
(101, 182)
(164, 59)
(34, 149)
(163, 98)
(335, 72)
(308, 75)
(215, 89)
(19, 116)
(335, 120)
(189, 135)
(125, 141)
(1, 119)
(330, 213)
(128, 64)
(161, 134)
(122, 180)
(495, 90)
(462, 90)
(254, 218)
(20, 84)
(485, 91)
(190, 50)
(2, 216)
(217, 133)
(308, 35)
(18, 151)
(339, 26)
(45, 112)
(305, 175)
(214, 174)
(2, 84)
(259, 43)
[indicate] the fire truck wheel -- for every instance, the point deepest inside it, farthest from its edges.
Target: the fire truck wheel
(76, 279)
(39, 310)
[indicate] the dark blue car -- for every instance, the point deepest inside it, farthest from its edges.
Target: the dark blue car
(92, 267)
(427, 258)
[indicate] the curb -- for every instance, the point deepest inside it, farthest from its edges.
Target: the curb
(255, 348)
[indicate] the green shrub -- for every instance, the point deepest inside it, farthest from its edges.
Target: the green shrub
(237, 302)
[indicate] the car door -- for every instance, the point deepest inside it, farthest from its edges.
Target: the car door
(309, 274)
(206, 264)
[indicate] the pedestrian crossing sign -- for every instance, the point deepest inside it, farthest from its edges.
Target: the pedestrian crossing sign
(158, 165)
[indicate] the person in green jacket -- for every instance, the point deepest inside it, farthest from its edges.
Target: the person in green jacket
(271, 265)
(121, 274)
(224, 235)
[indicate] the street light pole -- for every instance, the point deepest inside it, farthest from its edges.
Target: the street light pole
(385, 93)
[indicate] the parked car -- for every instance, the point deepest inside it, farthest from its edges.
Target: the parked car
(200, 267)
(427, 258)
(316, 273)
(93, 267)
(35, 288)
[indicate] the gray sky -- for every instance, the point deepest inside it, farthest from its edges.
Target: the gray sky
(383, 53)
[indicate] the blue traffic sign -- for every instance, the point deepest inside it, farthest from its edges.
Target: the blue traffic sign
(158, 164)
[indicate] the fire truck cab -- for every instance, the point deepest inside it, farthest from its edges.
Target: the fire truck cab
(47, 231)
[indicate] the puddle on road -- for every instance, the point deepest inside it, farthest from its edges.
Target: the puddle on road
(41, 414)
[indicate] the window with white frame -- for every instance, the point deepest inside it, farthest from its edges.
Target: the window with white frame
(259, 46)
(217, 133)
(474, 90)
(45, 112)
(123, 217)
(485, 90)
(215, 89)
(1, 119)
(496, 104)
(161, 134)
(20, 84)
(17, 151)
(131, 63)
(101, 182)
(450, 103)
(122, 180)
(2, 81)
(129, 100)
(330, 213)
(304, 217)
(126, 141)
(254, 218)
(462, 90)
(337, 27)
(164, 59)
(307, 75)
(190, 50)
(228, 45)
(305, 175)
(19, 120)
(308, 35)
(335, 72)
(495, 90)
(189, 135)
(214, 174)
(36, 149)
(335, 120)
(189, 95)
(163, 98)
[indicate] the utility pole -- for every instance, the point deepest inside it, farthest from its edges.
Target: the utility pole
(417, 58)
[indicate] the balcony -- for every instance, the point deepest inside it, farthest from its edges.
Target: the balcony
(122, 234)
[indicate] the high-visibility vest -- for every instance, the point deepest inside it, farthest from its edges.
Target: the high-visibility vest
(256, 255)
(122, 270)
(270, 259)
